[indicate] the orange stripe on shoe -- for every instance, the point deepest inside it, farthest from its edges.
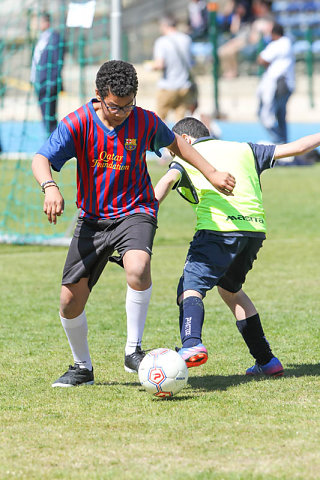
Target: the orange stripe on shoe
(197, 360)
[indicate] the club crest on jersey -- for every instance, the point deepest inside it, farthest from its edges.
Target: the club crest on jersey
(130, 144)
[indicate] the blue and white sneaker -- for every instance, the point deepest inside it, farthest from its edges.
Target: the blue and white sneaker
(194, 356)
(273, 368)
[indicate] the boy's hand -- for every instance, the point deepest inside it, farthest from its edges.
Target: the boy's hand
(224, 182)
(53, 204)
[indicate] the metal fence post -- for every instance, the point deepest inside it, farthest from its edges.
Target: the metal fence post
(309, 63)
(213, 35)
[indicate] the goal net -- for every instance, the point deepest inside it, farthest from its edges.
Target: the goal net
(38, 69)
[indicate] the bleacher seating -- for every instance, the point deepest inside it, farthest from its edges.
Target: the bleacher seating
(292, 6)
(301, 20)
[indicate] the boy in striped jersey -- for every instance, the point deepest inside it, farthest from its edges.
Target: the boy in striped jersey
(109, 137)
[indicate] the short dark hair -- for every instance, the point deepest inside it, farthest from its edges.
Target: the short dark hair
(118, 77)
(46, 16)
(169, 20)
(191, 126)
(277, 29)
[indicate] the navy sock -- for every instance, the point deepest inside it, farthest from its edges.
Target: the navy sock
(252, 333)
(191, 320)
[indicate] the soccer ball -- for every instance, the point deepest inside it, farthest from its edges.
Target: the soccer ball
(163, 372)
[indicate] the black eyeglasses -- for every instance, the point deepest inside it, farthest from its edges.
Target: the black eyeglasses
(117, 109)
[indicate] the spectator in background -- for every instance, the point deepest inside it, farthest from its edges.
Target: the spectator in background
(277, 84)
(263, 20)
(242, 15)
(46, 71)
(172, 56)
(198, 19)
(224, 15)
(251, 23)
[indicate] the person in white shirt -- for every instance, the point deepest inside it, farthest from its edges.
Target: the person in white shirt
(198, 19)
(172, 56)
(276, 85)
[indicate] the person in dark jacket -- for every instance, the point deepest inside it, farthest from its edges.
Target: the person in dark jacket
(46, 69)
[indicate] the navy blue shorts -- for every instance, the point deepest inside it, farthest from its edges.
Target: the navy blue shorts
(218, 260)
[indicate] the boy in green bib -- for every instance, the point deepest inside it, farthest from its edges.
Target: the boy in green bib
(229, 233)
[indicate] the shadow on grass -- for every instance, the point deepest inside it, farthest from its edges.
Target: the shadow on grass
(114, 384)
(217, 382)
(175, 398)
(223, 382)
(305, 369)
(220, 382)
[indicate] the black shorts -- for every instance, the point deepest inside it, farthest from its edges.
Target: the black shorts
(94, 241)
(218, 260)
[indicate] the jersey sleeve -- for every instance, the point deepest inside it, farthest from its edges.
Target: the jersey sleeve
(176, 166)
(184, 185)
(264, 156)
(59, 147)
(162, 138)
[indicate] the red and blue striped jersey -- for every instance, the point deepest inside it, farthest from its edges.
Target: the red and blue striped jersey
(112, 175)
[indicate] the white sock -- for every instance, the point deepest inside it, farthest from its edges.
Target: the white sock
(137, 303)
(77, 333)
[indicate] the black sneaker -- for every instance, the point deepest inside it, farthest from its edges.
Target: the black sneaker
(75, 376)
(132, 362)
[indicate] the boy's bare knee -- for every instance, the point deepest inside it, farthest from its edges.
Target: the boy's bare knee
(67, 304)
(72, 300)
(138, 272)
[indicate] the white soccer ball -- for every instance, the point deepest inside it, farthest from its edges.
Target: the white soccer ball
(163, 373)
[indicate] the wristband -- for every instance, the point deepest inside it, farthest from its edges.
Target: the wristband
(49, 185)
(43, 184)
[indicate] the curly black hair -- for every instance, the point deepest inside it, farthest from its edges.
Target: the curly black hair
(117, 77)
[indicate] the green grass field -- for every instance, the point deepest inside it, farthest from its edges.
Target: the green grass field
(222, 426)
